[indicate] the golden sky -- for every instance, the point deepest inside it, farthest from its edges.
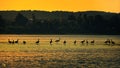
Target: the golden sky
(61, 5)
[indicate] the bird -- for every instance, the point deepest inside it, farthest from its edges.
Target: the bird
(50, 41)
(112, 42)
(64, 42)
(17, 41)
(92, 42)
(87, 42)
(13, 42)
(107, 41)
(37, 42)
(58, 40)
(75, 42)
(24, 42)
(82, 41)
(9, 41)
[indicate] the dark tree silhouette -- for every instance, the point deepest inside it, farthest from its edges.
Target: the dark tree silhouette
(115, 23)
(59, 22)
(71, 17)
(99, 25)
(2, 24)
(21, 20)
(33, 18)
(79, 18)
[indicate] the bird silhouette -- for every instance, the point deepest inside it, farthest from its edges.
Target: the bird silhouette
(51, 41)
(13, 42)
(92, 42)
(24, 42)
(17, 41)
(82, 41)
(112, 42)
(107, 42)
(37, 42)
(58, 40)
(64, 42)
(75, 42)
(9, 41)
(87, 42)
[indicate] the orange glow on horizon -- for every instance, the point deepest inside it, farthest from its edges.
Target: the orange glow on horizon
(62, 5)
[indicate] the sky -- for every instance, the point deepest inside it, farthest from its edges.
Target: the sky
(62, 5)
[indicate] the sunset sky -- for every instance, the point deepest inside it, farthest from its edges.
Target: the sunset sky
(61, 5)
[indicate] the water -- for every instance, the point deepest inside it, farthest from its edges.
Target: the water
(55, 56)
(44, 39)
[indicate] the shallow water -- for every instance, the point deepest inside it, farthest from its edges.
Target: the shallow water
(44, 39)
(70, 56)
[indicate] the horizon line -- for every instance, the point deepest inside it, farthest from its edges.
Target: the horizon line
(63, 11)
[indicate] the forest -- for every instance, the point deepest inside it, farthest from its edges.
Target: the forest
(59, 22)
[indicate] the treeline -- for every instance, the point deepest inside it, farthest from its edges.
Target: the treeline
(59, 22)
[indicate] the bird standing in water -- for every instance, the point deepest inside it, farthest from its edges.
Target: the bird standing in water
(51, 41)
(75, 42)
(24, 42)
(58, 40)
(37, 42)
(64, 42)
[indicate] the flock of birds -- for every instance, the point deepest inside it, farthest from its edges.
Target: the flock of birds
(107, 42)
(17, 41)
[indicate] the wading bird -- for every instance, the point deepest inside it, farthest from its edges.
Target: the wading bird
(112, 42)
(9, 41)
(92, 42)
(82, 41)
(24, 42)
(87, 42)
(17, 41)
(50, 41)
(37, 42)
(75, 42)
(64, 42)
(58, 40)
(107, 42)
(13, 42)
